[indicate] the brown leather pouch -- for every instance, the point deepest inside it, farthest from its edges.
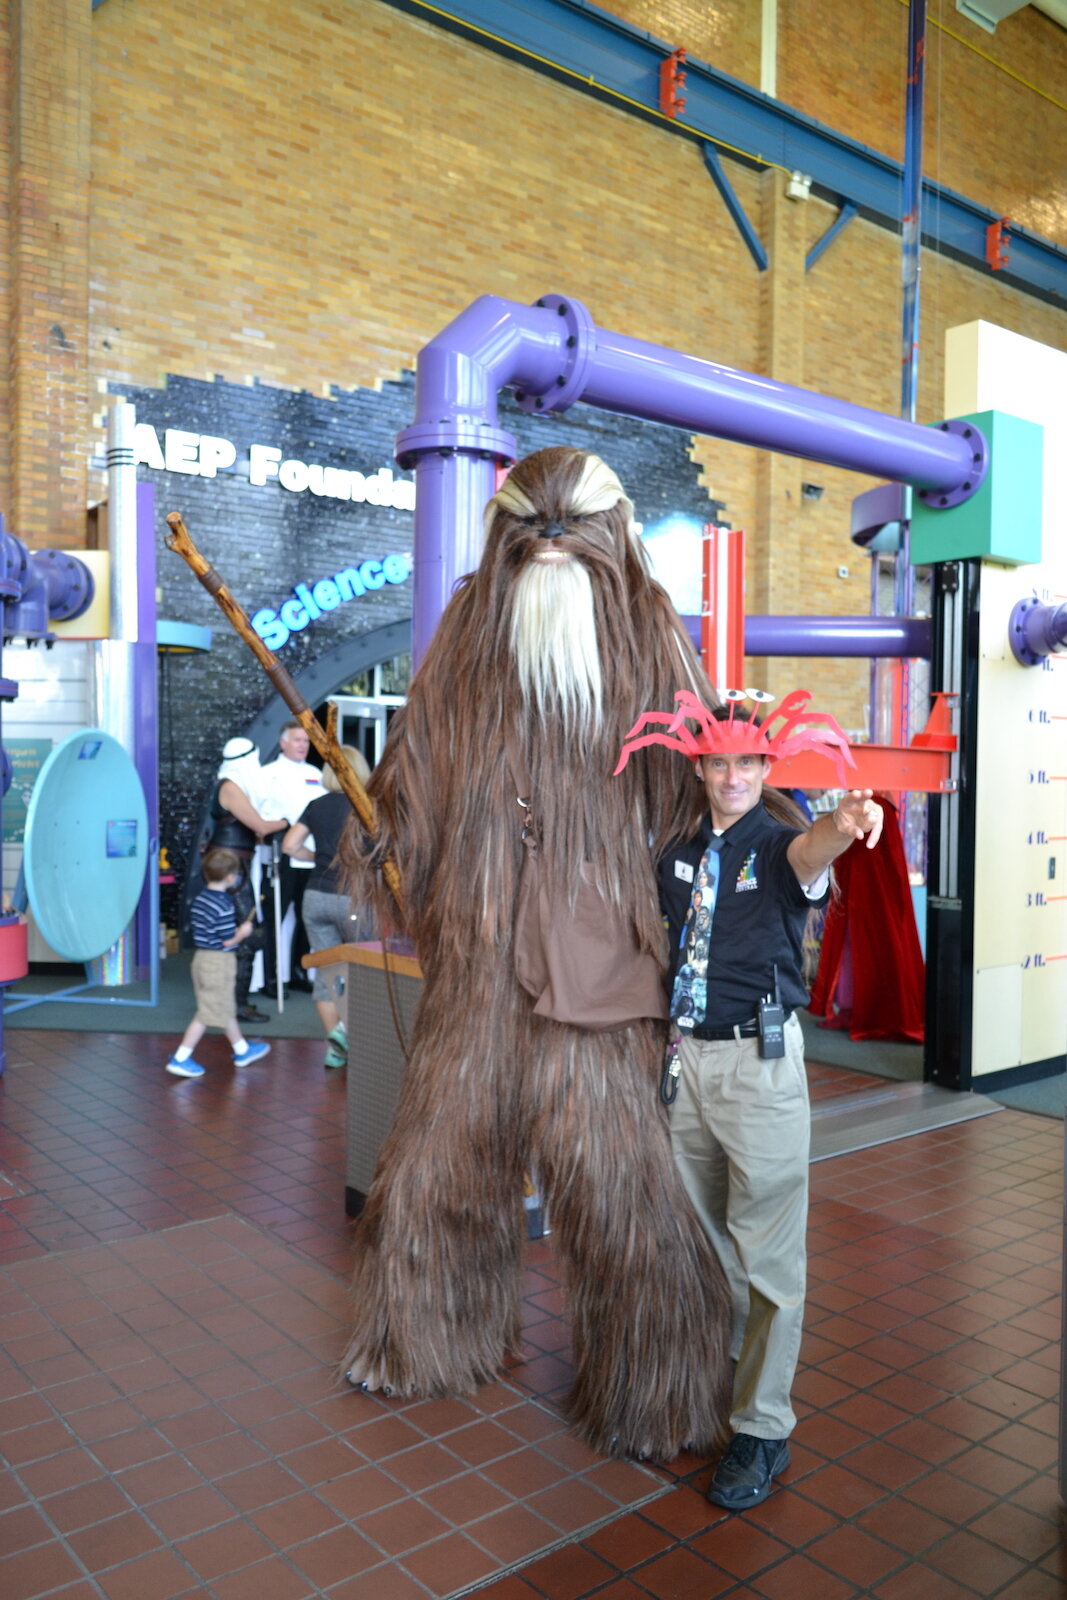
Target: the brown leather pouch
(580, 961)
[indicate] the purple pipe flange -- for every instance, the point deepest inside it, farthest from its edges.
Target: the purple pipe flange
(945, 499)
(579, 345)
(68, 581)
(1037, 630)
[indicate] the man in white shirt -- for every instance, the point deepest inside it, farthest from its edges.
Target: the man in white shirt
(287, 785)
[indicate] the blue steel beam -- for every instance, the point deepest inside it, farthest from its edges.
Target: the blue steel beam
(825, 240)
(604, 56)
(734, 207)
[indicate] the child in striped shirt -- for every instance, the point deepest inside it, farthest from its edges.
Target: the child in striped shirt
(216, 936)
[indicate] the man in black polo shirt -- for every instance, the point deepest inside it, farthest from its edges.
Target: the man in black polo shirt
(740, 1123)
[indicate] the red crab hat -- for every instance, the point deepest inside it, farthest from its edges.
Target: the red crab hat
(797, 729)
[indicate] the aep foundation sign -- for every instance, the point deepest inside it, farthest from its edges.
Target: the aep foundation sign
(203, 455)
(309, 601)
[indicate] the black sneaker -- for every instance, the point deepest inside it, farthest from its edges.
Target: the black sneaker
(249, 1013)
(746, 1472)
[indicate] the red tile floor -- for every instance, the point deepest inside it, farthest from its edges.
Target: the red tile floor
(172, 1264)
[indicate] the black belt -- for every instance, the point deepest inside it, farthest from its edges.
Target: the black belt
(747, 1030)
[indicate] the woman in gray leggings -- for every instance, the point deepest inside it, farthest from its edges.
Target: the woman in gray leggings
(329, 916)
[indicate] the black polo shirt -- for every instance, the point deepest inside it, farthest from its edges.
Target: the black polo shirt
(760, 912)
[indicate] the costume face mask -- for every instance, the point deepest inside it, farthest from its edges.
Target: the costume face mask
(560, 534)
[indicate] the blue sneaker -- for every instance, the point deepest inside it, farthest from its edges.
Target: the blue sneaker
(185, 1069)
(254, 1050)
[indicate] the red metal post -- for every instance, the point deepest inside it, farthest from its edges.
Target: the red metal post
(722, 631)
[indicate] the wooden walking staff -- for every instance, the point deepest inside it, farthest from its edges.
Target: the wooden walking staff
(324, 739)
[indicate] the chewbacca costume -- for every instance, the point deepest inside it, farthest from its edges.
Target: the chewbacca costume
(554, 645)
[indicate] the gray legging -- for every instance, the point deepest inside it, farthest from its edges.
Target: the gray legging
(332, 919)
(244, 907)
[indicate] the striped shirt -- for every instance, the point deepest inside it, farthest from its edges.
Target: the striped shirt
(213, 919)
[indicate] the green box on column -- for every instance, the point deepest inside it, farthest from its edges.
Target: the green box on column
(1002, 522)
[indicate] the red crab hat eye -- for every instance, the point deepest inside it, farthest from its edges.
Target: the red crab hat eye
(785, 732)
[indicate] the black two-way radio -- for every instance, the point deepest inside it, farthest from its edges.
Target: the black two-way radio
(771, 1017)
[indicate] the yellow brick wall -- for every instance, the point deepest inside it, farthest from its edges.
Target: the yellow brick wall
(304, 194)
(725, 33)
(409, 172)
(46, 400)
(987, 134)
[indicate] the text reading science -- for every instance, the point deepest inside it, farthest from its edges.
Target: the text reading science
(309, 601)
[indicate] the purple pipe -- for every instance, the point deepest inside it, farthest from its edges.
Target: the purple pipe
(145, 750)
(904, 637)
(1036, 631)
(552, 355)
(642, 380)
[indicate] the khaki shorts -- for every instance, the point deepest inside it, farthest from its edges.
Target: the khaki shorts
(214, 984)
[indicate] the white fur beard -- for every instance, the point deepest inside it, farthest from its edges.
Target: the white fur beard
(554, 642)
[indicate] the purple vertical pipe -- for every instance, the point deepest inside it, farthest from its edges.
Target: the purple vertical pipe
(450, 497)
(911, 270)
(914, 816)
(911, 230)
(145, 752)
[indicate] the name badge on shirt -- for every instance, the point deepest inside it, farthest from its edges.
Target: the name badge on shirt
(683, 870)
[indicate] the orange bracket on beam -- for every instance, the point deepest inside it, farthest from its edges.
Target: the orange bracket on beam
(671, 82)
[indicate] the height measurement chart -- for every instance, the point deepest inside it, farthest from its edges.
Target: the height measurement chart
(1046, 879)
(1020, 775)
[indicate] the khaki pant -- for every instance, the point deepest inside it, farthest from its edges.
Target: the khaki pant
(741, 1131)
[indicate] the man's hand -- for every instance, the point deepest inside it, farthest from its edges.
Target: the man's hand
(831, 834)
(857, 814)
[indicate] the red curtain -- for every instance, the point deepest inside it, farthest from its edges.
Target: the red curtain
(871, 978)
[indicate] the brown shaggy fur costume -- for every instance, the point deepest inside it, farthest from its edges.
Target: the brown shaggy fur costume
(492, 1090)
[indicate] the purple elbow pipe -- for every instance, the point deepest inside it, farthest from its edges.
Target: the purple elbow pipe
(551, 354)
(455, 444)
(907, 637)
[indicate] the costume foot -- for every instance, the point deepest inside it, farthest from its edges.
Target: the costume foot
(745, 1475)
(629, 1452)
(365, 1385)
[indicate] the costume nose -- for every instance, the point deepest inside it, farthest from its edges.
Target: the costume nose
(552, 530)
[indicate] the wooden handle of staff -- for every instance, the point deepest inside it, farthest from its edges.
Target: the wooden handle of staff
(325, 740)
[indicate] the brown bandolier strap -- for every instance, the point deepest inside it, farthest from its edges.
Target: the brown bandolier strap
(523, 787)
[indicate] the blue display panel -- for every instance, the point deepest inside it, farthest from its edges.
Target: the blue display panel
(86, 845)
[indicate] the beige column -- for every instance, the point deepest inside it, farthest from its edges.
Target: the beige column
(44, 493)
